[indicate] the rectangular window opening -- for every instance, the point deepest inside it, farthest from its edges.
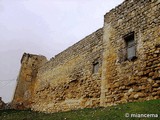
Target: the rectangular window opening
(95, 67)
(130, 46)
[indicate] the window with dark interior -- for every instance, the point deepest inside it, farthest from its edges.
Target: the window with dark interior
(130, 46)
(95, 67)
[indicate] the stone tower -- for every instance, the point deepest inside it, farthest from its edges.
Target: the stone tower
(25, 81)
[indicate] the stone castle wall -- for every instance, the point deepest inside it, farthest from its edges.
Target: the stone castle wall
(96, 71)
(139, 79)
(67, 81)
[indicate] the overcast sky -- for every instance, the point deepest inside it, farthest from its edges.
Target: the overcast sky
(44, 27)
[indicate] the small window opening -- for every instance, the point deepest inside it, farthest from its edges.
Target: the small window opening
(95, 67)
(130, 46)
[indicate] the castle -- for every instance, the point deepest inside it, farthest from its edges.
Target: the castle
(118, 63)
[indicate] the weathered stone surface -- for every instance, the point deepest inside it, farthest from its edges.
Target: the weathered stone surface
(71, 81)
(26, 80)
(139, 95)
(68, 80)
(134, 79)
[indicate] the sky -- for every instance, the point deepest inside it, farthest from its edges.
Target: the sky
(43, 27)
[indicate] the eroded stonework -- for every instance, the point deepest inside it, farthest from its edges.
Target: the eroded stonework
(124, 80)
(23, 96)
(96, 71)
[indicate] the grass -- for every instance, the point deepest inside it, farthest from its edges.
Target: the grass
(108, 113)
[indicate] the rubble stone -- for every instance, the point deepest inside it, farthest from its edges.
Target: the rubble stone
(96, 71)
